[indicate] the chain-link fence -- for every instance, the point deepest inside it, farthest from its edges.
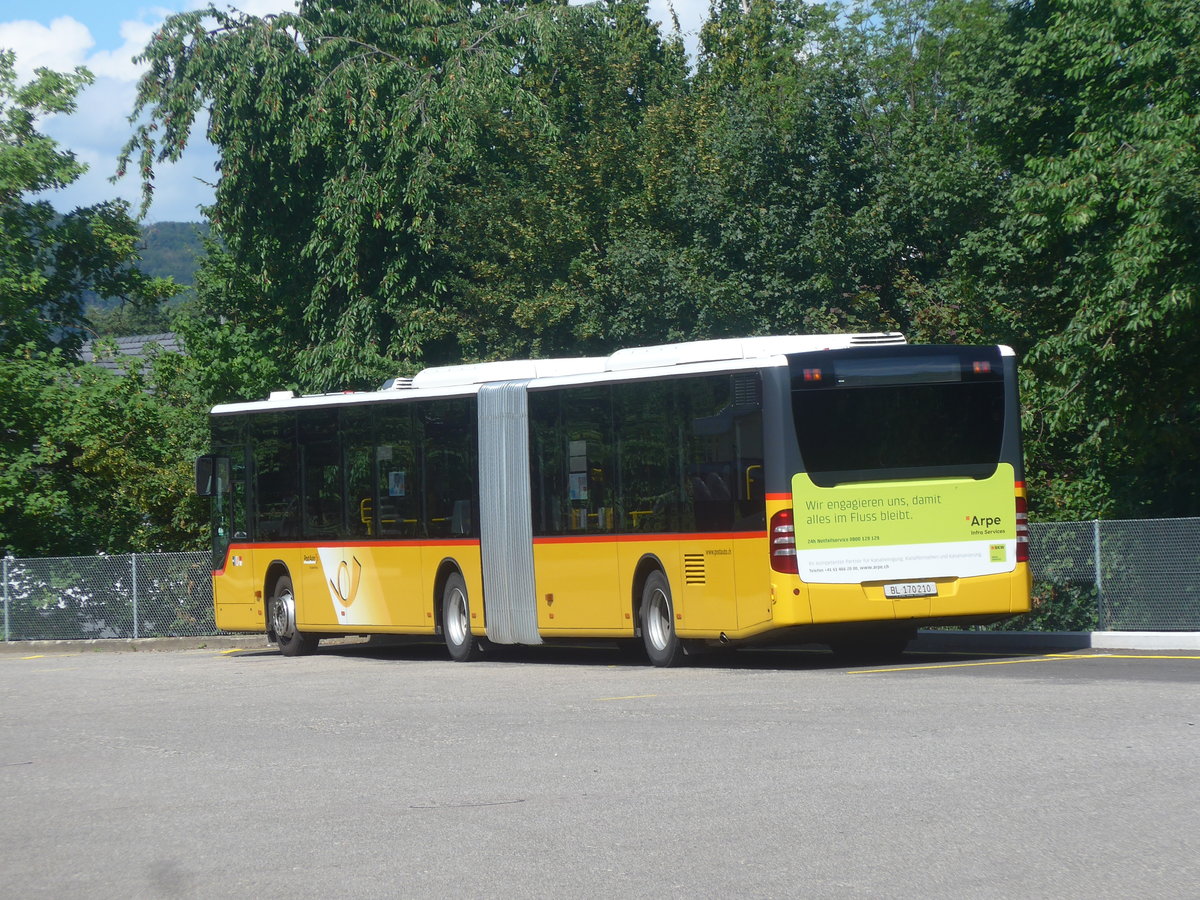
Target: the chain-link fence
(1131, 575)
(82, 597)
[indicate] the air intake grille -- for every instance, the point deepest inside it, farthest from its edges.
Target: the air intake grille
(693, 568)
(747, 391)
(884, 337)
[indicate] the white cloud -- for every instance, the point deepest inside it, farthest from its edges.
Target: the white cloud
(61, 46)
(118, 64)
(99, 127)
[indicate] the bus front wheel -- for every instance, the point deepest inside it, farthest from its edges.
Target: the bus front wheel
(456, 621)
(283, 622)
(658, 622)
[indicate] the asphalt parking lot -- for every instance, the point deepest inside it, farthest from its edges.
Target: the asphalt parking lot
(391, 772)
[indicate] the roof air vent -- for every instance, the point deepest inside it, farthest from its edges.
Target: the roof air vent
(881, 337)
(397, 384)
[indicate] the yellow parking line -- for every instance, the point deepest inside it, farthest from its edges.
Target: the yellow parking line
(970, 665)
(1013, 662)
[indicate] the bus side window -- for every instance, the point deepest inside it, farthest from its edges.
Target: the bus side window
(547, 466)
(706, 410)
(398, 476)
(587, 418)
(276, 477)
(358, 445)
(651, 489)
(449, 458)
(321, 474)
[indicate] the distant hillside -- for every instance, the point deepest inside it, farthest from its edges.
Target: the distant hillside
(169, 250)
(173, 249)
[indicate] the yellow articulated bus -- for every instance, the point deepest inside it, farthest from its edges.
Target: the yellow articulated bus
(841, 489)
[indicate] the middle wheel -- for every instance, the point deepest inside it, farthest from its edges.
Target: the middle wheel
(658, 622)
(456, 621)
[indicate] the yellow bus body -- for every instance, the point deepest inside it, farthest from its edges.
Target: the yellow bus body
(722, 588)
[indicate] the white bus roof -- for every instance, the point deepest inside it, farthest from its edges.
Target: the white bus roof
(465, 379)
(660, 356)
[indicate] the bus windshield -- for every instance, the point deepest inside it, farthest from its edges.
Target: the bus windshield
(887, 413)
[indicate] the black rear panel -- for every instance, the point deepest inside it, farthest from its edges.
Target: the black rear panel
(887, 413)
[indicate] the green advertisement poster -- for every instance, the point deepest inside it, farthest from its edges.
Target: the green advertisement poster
(890, 513)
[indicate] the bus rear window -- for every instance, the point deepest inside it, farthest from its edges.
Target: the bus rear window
(876, 418)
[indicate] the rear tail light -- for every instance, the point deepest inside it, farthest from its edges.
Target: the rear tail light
(1022, 530)
(783, 543)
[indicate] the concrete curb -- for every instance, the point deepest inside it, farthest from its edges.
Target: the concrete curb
(1146, 640)
(210, 642)
(1051, 641)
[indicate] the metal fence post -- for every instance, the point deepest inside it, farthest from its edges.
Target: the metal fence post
(1099, 575)
(133, 565)
(6, 598)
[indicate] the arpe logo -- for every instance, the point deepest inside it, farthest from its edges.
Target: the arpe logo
(984, 521)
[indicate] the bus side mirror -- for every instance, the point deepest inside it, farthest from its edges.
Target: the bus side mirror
(212, 475)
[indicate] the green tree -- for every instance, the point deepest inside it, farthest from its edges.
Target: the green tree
(752, 184)
(341, 129)
(1091, 109)
(535, 214)
(97, 462)
(89, 461)
(49, 261)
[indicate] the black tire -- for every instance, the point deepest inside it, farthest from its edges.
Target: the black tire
(663, 646)
(879, 647)
(456, 621)
(282, 615)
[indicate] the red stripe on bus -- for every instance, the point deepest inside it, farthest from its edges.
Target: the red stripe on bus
(398, 542)
(779, 496)
(657, 537)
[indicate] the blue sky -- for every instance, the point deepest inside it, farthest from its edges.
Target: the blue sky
(104, 35)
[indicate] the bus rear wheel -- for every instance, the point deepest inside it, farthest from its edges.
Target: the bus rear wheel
(456, 621)
(283, 622)
(663, 645)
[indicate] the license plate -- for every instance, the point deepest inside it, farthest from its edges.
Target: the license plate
(911, 589)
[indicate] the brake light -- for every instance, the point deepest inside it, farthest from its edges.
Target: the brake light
(981, 367)
(783, 543)
(1022, 530)
(812, 374)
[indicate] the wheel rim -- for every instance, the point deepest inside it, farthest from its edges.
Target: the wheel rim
(281, 615)
(658, 622)
(457, 625)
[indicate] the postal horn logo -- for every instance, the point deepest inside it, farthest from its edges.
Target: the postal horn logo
(345, 586)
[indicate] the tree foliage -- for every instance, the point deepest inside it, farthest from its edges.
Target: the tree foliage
(48, 262)
(89, 461)
(96, 462)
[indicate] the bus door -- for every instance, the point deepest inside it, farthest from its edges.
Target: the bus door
(706, 556)
(722, 449)
(223, 477)
(575, 506)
